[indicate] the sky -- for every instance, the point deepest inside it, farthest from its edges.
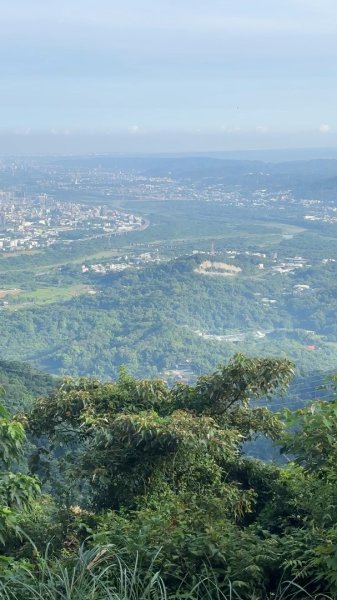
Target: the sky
(167, 75)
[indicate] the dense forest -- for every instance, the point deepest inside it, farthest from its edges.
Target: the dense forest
(134, 489)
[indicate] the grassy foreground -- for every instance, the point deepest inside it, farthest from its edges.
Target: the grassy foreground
(98, 574)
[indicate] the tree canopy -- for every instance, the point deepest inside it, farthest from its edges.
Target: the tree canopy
(160, 475)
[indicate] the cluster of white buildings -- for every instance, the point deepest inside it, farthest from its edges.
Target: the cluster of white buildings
(35, 221)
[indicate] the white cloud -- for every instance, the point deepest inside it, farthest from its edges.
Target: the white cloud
(25, 131)
(324, 128)
(227, 129)
(135, 129)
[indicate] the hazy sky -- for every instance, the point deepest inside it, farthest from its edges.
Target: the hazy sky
(155, 75)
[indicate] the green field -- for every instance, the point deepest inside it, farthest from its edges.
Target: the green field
(48, 295)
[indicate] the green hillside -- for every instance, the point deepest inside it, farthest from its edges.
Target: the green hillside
(22, 383)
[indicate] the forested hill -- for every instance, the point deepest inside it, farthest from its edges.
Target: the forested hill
(22, 383)
(161, 318)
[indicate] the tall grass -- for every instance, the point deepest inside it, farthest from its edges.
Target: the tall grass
(98, 574)
(95, 575)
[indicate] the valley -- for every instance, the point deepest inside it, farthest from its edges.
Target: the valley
(236, 269)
